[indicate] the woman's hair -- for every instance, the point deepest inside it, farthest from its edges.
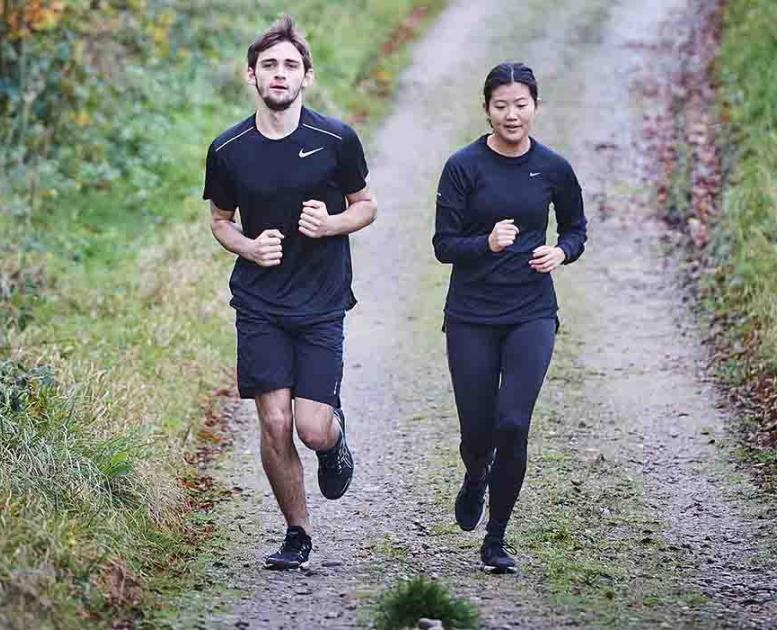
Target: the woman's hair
(282, 30)
(507, 73)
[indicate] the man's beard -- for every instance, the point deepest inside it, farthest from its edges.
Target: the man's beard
(277, 105)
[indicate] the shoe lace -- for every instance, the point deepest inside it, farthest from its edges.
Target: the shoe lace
(476, 486)
(343, 458)
(502, 547)
(293, 542)
(338, 459)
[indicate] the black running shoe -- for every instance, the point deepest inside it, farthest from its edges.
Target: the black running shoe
(471, 502)
(335, 466)
(495, 557)
(294, 551)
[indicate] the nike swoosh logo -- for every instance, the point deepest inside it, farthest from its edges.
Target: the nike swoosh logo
(304, 154)
(534, 174)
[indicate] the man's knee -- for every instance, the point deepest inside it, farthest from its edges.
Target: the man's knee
(276, 424)
(314, 427)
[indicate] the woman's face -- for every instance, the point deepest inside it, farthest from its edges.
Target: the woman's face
(511, 111)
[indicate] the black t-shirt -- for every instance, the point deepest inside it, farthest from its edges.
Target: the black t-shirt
(480, 187)
(268, 180)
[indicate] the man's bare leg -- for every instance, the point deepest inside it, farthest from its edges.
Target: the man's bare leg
(315, 424)
(318, 428)
(280, 459)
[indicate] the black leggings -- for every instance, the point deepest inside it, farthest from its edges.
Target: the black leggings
(497, 373)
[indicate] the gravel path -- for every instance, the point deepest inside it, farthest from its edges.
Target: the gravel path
(639, 401)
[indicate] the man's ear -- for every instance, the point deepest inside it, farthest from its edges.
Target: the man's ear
(250, 75)
(309, 78)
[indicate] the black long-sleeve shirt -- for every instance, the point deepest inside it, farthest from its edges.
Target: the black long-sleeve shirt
(480, 187)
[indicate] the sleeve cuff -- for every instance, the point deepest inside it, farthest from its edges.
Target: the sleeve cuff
(567, 256)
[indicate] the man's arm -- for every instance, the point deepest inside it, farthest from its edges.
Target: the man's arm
(266, 250)
(225, 230)
(316, 222)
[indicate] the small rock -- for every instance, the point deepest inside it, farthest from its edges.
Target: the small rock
(427, 624)
(331, 563)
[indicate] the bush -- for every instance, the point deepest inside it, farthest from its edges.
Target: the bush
(406, 603)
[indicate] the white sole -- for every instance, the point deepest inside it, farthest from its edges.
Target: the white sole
(496, 570)
(275, 567)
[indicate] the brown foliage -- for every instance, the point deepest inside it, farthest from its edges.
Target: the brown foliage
(684, 134)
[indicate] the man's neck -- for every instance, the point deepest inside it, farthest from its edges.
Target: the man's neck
(278, 124)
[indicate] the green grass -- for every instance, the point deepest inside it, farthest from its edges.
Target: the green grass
(117, 330)
(746, 244)
(407, 602)
(742, 290)
(737, 281)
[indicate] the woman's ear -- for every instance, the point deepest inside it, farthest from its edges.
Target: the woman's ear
(488, 118)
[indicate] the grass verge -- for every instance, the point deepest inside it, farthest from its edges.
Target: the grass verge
(742, 293)
(719, 188)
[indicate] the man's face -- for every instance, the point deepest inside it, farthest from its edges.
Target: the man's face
(279, 76)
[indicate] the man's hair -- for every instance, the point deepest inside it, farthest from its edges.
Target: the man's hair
(283, 30)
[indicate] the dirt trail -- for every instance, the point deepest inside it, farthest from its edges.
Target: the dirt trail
(648, 410)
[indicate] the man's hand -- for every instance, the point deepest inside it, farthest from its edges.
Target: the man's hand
(266, 250)
(547, 258)
(315, 221)
(503, 235)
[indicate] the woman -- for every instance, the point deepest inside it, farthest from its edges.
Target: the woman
(500, 315)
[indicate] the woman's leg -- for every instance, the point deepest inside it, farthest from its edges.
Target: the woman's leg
(526, 354)
(474, 359)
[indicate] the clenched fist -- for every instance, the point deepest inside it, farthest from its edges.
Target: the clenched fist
(503, 235)
(266, 250)
(315, 220)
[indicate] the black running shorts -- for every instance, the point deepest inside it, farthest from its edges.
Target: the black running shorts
(278, 352)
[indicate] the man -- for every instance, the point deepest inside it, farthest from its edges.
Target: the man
(298, 180)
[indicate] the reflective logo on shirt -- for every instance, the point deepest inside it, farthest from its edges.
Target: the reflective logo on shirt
(304, 154)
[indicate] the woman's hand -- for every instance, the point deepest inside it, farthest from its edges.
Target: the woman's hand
(503, 235)
(546, 258)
